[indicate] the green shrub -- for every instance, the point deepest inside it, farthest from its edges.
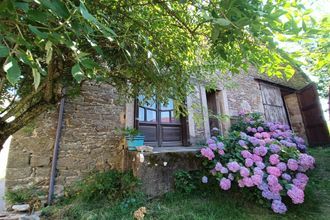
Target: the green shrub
(184, 182)
(99, 196)
(110, 185)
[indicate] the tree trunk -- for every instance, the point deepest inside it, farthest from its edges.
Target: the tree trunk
(10, 128)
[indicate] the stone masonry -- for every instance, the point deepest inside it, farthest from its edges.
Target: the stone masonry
(89, 142)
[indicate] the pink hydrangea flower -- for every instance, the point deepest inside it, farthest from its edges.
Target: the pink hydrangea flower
(274, 171)
(272, 180)
(276, 188)
(296, 195)
(208, 153)
(221, 152)
(256, 158)
(246, 154)
(274, 159)
(233, 166)
(260, 151)
(247, 181)
(256, 179)
(265, 135)
(292, 164)
(244, 172)
(240, 183)
(260, 129)
(225, 183)
(258, 135)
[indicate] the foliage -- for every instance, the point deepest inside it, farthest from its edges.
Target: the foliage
(130, 132)
(144, 47)
(110, 185)
(183, 182)
(317, 45)
(95, 195)
(30, 195)
(266, 158)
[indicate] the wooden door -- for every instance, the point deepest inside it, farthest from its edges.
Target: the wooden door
(315, 125)
(273, 104)
(159, 124)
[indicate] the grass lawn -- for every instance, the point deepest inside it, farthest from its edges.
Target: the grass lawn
(215, 204)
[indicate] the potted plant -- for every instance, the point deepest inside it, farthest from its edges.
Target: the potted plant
(134, 138)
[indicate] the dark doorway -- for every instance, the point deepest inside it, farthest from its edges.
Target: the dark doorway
(213, 109)
(315, 125)
(159, 124)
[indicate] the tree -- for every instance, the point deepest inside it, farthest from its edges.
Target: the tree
(140, 47)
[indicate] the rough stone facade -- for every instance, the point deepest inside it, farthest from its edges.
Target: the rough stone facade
(90, 140)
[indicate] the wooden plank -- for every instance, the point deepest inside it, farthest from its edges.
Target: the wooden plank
(273, 104)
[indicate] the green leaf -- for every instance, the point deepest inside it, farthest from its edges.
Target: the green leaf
(49, 50)
(36, 78)
(89, 63)
(4, 51)
(84, 12)
(222, 21)
(215, 33)
(37, 32)
(57, 7)
(77, 73)
(13, 70)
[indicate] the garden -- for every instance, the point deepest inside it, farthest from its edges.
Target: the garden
(258, 171)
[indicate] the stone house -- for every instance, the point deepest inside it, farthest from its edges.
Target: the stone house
(89, 140)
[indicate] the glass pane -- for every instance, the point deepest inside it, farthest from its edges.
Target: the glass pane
(168, 106)
(141, 114)
(150, 103)
(165, 117)
(151, 116)
(174, 118)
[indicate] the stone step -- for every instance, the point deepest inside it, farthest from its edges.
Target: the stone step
(156, 170)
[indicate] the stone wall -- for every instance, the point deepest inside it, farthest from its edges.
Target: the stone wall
(90, 140)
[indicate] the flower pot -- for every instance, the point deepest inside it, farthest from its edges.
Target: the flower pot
(133, 142)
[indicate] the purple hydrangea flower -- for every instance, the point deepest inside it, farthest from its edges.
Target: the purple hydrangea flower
(286, 177)
(204, 179)
(274, 148)
(282, 166)
(223, 170)
(260, 164)
(292, 164)
(296, 195)
(279, 207)
(274, 171)
(274, 159)
(218, 166)
(248, 162)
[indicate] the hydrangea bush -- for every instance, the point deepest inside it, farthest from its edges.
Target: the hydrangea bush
(264, 156)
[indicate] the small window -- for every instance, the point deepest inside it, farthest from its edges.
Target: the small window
(165, 117)
(151, 116)
(141, 114)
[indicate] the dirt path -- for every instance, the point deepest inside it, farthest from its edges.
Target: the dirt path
(2, 192)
